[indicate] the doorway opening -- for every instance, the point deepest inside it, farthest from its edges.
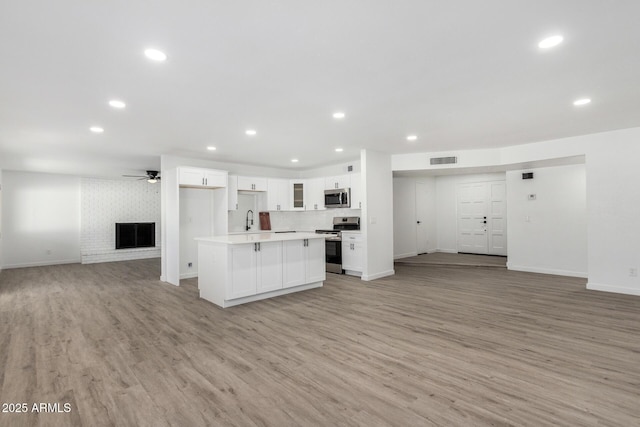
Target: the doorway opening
(482, 218)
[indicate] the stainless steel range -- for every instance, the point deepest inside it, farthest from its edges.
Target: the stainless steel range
(333, 242)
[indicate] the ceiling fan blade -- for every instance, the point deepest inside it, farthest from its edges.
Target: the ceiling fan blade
(134, 176)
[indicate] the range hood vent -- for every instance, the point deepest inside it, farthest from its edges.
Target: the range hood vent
(444, 160)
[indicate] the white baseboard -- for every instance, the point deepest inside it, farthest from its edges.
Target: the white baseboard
(615, 289)
(375, 276)
(556, 272)
(42, 263)
(407, 255)
(189, 275)
(447, 251)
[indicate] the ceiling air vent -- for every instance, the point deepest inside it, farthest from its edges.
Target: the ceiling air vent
(444, 160)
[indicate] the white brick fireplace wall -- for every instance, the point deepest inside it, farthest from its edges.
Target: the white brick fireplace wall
(104, 202)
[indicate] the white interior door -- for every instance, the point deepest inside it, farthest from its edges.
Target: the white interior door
(422, 210)
(497, 221)
(482, 218)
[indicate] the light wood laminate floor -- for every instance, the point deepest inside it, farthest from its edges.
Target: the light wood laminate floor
(428, 346)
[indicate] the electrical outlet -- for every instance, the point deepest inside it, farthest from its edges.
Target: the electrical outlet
(633, 272)
(190, 265)
(48, 251)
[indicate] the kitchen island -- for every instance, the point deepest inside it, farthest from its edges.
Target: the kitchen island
(240, 268)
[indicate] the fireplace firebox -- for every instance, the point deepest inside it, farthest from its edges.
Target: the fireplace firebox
(135, 235)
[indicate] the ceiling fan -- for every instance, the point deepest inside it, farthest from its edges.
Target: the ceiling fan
(152, 176)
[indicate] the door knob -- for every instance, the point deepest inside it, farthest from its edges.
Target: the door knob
(419, 222)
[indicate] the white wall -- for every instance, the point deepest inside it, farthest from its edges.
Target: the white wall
(196, 220)
(548, 234)
(0, 219)
(238, 218)
(339, 168)
(447, 206)
(613, 204)
(377, 214)
(104, 202)
(41, 219)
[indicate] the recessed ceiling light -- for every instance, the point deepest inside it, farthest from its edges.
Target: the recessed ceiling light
(294, 160)
(117, 103)
(155, 55)
(338, 115)
(96, 129)
(412, 137)
(550, 42)
(582, 101)
(250, 132)
(339, 150)
(211, 148)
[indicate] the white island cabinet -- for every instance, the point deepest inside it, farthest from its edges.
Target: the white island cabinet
(304, 262)
(236, 269)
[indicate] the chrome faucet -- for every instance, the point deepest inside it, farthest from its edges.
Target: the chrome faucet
(249, 225)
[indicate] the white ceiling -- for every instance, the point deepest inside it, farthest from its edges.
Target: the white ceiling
(459, 74)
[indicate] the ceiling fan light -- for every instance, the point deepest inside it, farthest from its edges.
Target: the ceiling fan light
(152, 180)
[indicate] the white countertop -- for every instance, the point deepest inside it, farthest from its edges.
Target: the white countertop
(238, 239)
(275, 230)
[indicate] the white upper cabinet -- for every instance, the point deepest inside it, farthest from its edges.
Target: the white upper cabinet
(252, 183)
(195, 177)
(314, 194)
(338, 181)
(356, 191)
(277, 194)
(297, 194)
(232, 188)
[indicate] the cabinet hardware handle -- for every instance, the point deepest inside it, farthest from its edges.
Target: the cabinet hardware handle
(255, 247)
(258, 246)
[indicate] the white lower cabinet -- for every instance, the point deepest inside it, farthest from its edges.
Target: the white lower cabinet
(244, 274)
(255, 268)
(303, 261)
(352, 253)
(269, 271)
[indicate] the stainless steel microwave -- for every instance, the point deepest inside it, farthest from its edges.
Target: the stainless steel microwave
(338, 198)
